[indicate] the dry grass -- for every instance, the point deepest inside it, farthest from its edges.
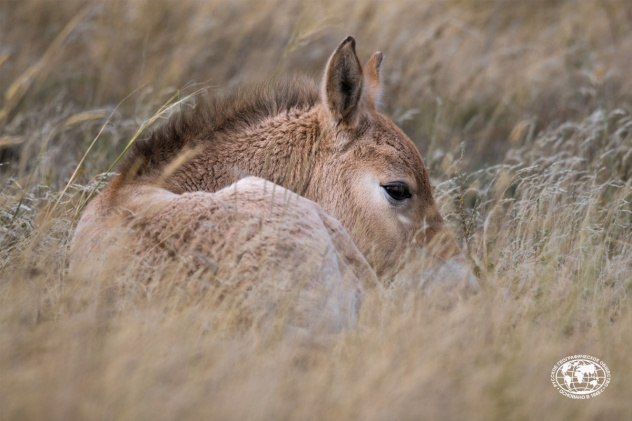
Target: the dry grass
(536, 93)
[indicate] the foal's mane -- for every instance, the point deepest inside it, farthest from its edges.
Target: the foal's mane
(229, 114)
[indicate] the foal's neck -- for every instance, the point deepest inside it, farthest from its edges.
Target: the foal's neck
(284, 149)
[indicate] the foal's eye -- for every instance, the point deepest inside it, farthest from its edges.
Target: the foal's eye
(397, 190)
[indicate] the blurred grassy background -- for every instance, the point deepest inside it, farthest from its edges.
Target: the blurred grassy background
(534, 95)
(483, 72)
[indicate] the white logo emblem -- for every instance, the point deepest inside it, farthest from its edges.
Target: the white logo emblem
(580, 376)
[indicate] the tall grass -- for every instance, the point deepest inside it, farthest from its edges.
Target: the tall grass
(522, 112)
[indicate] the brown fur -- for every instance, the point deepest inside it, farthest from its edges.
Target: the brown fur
(331, 146)
(215, 120)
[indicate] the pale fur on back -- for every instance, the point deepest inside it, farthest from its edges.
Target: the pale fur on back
(254, 241)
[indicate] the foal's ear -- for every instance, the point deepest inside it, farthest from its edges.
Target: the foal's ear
(342, 86)
(372, 75)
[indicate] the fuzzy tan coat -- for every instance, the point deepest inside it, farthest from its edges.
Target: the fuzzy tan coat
(365, 209)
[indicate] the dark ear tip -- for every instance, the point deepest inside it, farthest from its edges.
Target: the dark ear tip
(349, 39)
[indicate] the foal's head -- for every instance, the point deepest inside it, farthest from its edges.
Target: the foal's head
(374, 179)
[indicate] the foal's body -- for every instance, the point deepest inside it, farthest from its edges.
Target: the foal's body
(329, 145)
(253, 240)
